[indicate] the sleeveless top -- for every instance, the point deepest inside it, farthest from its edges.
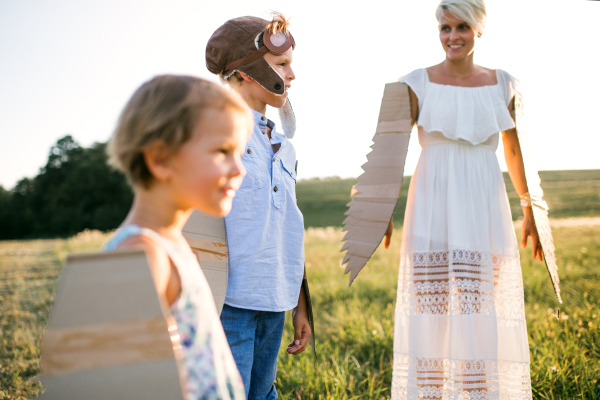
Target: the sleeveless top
(210, 370)
(472, 115)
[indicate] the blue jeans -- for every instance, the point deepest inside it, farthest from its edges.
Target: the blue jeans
(254, 338)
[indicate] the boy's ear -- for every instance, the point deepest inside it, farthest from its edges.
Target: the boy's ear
(158, 160)
(246, 77)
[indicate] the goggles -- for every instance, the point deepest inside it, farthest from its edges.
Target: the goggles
(276, 44)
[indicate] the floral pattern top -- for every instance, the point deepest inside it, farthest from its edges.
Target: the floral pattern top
(210, 372)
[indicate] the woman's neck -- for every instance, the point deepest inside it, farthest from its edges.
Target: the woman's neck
(459, 68)
(154, 209)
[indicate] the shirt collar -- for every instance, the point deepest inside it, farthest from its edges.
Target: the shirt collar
(259, 119)
(262, 122)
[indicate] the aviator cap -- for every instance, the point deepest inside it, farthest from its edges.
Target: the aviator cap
(240, 44)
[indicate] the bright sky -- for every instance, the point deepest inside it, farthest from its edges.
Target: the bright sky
(69, 66)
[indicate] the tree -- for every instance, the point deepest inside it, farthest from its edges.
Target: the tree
(75, 190)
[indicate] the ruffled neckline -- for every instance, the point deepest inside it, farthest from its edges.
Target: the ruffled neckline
(466, 87)
(465, 113)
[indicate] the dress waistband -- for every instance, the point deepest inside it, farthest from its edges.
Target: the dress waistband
(466, 144)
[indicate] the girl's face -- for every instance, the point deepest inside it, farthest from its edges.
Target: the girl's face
(207, 170)
(457, 37)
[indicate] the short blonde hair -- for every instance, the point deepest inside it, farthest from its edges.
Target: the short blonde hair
(166, 108)
(471, 11)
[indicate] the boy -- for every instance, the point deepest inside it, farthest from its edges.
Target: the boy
(265, 229)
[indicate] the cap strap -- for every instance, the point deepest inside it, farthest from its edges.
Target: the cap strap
(246, 60)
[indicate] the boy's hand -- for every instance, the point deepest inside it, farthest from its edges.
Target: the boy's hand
(302, 330)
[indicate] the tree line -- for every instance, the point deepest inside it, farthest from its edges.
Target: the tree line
(75, 190)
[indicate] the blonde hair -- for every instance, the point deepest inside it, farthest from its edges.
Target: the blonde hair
(166, 108)
(471, 11)
(279, 23)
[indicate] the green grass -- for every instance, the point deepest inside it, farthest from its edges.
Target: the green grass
(28, 276)
(354, 325)
(568, 193)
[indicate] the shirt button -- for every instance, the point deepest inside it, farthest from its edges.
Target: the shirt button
(263, 118)
(273, 159)
(263, 131)
(249, 151)
(275, 189)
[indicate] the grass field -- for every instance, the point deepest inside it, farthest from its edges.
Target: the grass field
(568, 193)
(354, 326)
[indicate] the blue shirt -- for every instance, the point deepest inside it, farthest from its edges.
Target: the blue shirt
(265, 228)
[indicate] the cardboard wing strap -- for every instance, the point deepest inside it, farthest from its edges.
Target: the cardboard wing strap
(378, 188)
(540, 211)
(109, 336)
(207, 237)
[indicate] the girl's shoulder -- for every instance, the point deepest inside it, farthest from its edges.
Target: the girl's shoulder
(160, 262)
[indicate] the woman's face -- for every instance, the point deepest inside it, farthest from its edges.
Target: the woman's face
(457, 37)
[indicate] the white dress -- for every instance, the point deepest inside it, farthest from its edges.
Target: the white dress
(460, 330)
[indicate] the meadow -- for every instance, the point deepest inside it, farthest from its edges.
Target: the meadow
(568, 194)
(354, 325)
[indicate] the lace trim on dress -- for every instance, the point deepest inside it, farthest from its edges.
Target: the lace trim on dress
(456, 283)
(439, 378)
(461, 282)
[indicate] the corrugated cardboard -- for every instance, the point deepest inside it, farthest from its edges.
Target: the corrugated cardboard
(378, 188)
(207, 237)
(540, 215)
(108, 335)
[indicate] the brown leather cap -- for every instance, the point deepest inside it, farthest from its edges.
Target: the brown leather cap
(236, 40)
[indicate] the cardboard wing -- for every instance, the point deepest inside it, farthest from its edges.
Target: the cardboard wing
(378, 188)
(207, 237)
(540, 210)
(108, 337)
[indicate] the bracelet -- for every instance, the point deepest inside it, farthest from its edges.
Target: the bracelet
(525, 200)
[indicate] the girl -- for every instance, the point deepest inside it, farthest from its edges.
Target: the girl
(179, 142)
(460, 328)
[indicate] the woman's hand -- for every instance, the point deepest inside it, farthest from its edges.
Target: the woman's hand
(388, 234)
(529, 229)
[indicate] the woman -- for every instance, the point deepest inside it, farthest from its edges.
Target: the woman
(460, 329)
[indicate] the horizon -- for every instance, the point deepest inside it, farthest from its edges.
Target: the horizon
(73, 66)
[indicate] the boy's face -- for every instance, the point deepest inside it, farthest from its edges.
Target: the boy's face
(283, 65)
(207, 170)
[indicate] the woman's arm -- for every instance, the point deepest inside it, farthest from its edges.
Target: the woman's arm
(414, 115)
(514, 162)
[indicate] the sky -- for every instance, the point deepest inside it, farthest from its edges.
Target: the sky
(69, 66)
